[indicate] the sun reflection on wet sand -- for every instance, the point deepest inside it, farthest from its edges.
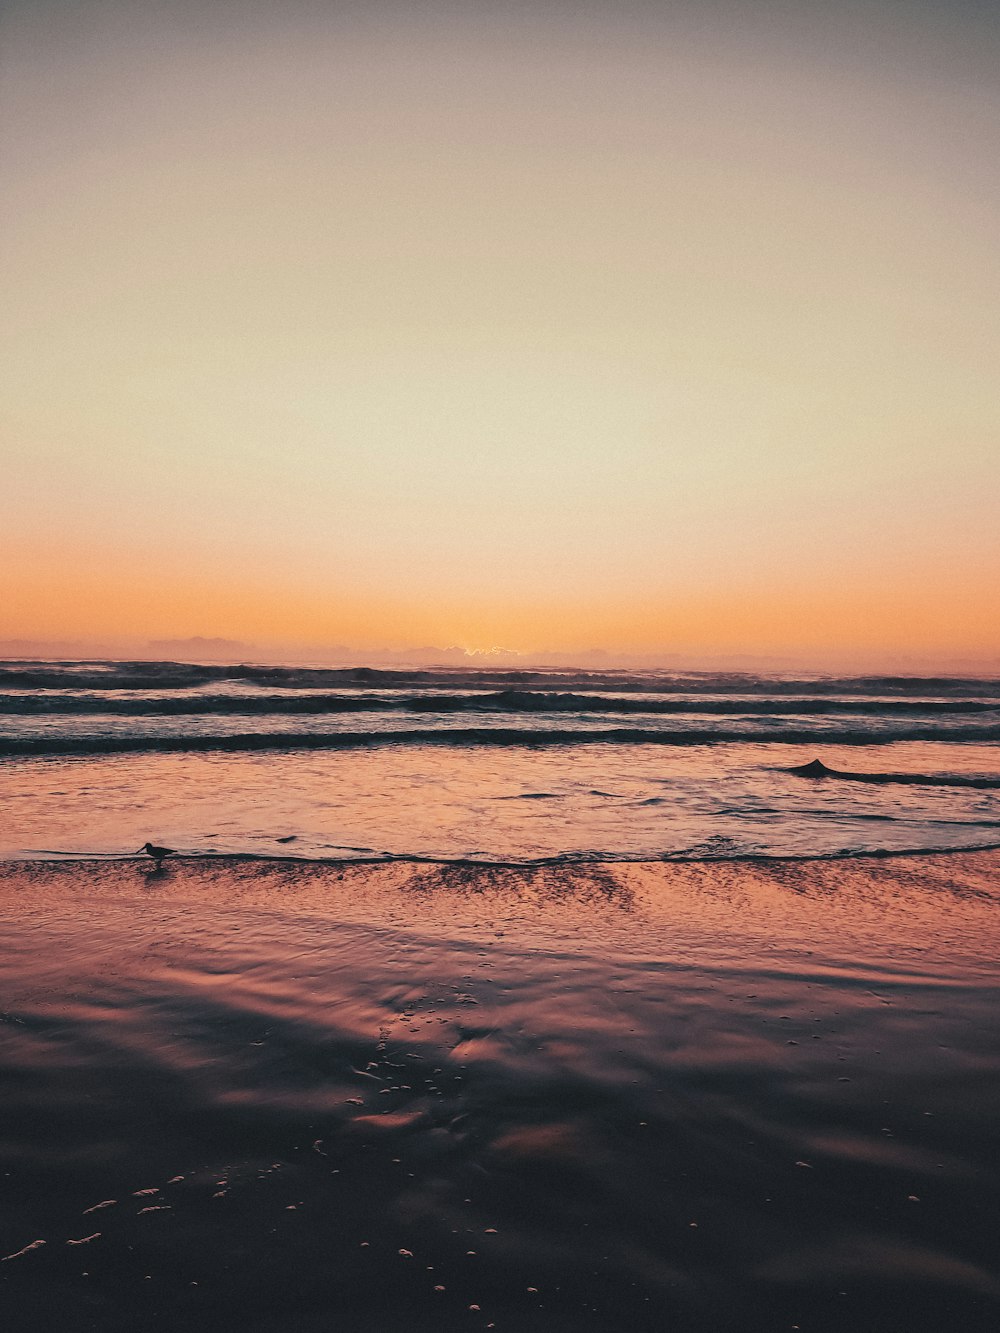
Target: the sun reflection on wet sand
(726, 1096)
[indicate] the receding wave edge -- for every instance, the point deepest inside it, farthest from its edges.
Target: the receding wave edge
(555, 860)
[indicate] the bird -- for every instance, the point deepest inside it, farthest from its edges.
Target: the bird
(157, 853)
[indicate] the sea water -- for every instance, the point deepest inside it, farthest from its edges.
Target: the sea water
(499, 766)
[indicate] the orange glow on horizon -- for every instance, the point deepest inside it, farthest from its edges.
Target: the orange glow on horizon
(58, 598)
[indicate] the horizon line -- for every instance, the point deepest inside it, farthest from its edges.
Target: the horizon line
(224, 651)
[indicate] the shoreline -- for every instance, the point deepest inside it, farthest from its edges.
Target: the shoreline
(567, 860)
(722, 1096)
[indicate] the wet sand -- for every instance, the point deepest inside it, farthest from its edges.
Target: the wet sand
(707, 1096)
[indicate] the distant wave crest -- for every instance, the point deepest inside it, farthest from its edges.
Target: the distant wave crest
(468, 736)
(112, 676)
(514, 701)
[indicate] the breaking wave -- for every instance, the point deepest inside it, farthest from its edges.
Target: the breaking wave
(817, 769)
(493, 701)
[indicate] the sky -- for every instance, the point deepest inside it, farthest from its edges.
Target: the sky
(654, 328)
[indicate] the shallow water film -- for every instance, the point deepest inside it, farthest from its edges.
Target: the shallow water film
(708, 1096)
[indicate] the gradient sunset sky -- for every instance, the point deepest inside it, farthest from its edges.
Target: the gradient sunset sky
(648, 327)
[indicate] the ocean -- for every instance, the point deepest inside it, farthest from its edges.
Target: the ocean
(500, 766)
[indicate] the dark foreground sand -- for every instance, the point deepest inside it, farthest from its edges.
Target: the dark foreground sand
(715, 1096)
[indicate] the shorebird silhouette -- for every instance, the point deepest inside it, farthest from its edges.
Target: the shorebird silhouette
(157, 853)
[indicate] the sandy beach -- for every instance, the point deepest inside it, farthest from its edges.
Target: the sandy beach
(708, 1095)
